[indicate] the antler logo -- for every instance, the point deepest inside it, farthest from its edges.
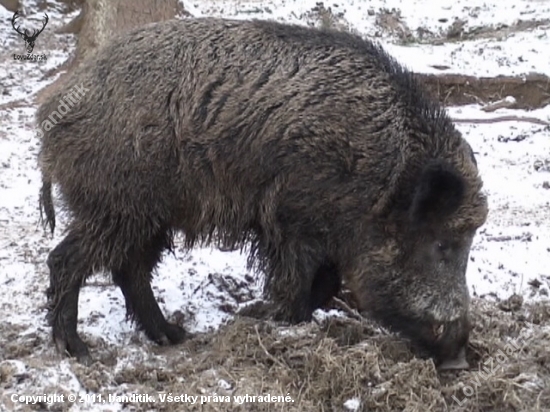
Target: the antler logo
(29, 39)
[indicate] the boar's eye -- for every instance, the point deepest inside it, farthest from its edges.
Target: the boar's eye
(442, 246)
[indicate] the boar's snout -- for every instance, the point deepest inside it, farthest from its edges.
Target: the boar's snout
(458, 363)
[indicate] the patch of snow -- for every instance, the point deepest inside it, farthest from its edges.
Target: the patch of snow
(520, 54)
(352, 404)
(322, 315)
(222, 383)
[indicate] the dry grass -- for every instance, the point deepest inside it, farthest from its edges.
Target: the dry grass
(323, 364)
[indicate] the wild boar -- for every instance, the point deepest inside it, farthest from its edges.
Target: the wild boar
(314, 147)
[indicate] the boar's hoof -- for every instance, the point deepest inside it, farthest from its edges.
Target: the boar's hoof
(258, 310)
(282, 314)
(457, 363)
(74, 347)
(263, 310)
(170, 334)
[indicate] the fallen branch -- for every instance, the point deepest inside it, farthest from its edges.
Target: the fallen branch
(510, 118)
(529, 91)
(507, 103)
(269, 355)
(15, 104)
(346, 308)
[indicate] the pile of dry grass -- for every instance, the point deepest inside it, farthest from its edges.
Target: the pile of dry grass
(322, 365)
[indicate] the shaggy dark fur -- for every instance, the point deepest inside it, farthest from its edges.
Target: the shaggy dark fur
(313, 146)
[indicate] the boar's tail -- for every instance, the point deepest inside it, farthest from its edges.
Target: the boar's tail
(46, 205)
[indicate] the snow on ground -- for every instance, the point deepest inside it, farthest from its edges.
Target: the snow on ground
(513, 247)
(521, 53)
(511, 250)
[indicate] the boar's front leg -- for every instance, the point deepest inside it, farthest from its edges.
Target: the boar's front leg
(299, 281)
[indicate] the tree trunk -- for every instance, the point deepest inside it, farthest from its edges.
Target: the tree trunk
(100, 20)
(11, 5)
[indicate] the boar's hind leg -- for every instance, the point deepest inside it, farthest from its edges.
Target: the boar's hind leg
(134, 279)
(326, 285)
(68, 270)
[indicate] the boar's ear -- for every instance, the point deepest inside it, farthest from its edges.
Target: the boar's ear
(438, 193)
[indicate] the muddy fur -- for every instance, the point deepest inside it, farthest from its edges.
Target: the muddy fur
(314, 147)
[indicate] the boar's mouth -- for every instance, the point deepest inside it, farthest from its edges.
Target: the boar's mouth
(446, 343)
